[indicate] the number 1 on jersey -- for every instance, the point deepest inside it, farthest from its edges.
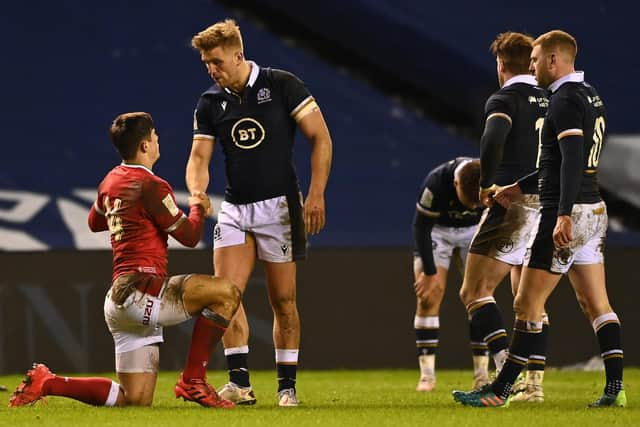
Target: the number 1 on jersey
(539, 124)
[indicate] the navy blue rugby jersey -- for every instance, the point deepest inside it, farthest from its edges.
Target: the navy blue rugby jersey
(256, 130)
(438, 197)
(575, 106)
(524, 105)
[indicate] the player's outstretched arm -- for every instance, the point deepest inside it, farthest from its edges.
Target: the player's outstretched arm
(315, 129)
(197, 175)
(189, 230)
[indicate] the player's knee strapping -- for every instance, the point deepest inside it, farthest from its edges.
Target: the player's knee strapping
(215, 318)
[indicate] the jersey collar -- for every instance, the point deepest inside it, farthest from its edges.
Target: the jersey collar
(253, 76)
(521, 78)
(576, 77)
(136, 166)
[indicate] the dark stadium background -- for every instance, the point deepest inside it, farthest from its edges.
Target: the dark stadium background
(402, 85)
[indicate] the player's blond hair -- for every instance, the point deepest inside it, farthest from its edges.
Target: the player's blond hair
(225, 33)
(514, 50)
(558, 40)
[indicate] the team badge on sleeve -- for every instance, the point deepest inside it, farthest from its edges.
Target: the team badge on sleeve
(427, 198)
(170, 205)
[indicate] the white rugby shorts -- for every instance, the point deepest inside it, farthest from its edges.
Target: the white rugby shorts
(276, 224)
(589, 231)
(444, 240)
(139, 320)
(504, 234)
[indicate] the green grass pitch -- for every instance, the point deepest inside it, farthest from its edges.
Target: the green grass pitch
(348, 398)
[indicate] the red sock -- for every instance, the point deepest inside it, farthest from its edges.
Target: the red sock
(94, 391)
(206, 333)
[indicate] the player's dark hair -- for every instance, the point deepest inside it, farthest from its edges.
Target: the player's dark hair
(128, 130)
(514, 49)
(469, 180)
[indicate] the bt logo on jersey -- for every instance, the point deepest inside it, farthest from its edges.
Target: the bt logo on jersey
(247, 133)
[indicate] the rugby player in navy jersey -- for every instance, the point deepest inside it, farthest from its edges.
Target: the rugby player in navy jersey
(572, 227)
(447, 212)
(509, 149)
(252, 112)
(139, 210)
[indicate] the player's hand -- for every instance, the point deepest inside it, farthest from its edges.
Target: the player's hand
(314, 213)
(201, 198)
(562, 233)
(506, 195)
(424, 285)
(486, 195)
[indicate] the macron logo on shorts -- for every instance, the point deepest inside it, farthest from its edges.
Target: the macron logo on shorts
(284, 248)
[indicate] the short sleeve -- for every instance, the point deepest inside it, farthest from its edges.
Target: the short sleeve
(566, 114)
(203, 125)
(99, 202)
(429, 202)
(297, 98)
(500, 105)
(160, 203)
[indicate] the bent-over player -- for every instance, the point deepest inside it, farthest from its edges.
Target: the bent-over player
(447, 212)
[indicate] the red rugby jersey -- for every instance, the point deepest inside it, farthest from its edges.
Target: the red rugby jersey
(140, 211)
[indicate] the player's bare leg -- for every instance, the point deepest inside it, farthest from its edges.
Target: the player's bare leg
(481, 277)
(281, 287)
(427, 327)
(514, 275)
(588, 282)
(218, 294)
(138, 388)
(236, 263)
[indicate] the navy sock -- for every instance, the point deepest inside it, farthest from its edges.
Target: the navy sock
(525, 335)
(286, 376)
(538, 356)
(486, 321)
(239, 369)
(427, 341)
(609, 335)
